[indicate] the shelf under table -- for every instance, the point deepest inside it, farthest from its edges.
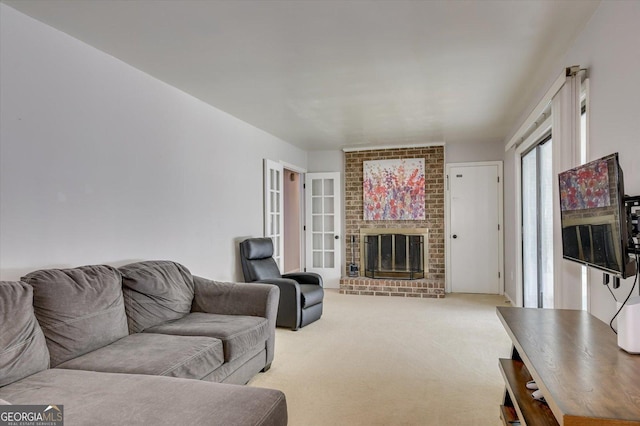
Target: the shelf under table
(533, 412)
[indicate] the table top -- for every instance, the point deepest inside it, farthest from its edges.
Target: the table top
(576, 360)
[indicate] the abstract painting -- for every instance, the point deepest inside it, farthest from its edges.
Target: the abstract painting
(394, 189)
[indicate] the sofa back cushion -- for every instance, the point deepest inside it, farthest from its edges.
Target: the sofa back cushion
(156, 291)
(23, 350)
(79, 309)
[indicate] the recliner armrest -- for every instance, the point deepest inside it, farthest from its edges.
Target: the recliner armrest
(288, 286)
(305, 277)
(227, 298)
(289, 307)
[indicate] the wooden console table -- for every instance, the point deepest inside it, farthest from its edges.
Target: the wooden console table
(575, 360)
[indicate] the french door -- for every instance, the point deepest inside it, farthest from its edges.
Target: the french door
(323, 226)
(323, 196)
(273, 208)
(537, 226)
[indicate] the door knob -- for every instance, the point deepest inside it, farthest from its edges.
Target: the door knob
(455, 236)
(336, 237)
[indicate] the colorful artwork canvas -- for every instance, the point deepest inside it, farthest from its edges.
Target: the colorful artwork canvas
(394, 189)
(585, 187)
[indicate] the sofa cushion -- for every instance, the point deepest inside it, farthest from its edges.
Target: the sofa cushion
(156, 354)
(79, 309)
(23, 350)
(91, 398)
(155, 292)
(239, 333)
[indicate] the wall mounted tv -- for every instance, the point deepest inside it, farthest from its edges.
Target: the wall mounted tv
(595, 225)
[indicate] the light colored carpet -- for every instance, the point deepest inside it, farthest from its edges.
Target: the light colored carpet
(393, 361)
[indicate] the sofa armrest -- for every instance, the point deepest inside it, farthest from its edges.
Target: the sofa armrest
(216, 297)
(226, 298)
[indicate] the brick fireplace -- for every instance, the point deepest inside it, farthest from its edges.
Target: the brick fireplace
(432, 285)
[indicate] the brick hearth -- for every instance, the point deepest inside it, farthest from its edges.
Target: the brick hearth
(433, 288)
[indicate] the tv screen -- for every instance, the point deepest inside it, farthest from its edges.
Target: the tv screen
(593, 216)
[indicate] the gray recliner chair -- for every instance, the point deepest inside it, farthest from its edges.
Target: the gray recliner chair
(301, 293)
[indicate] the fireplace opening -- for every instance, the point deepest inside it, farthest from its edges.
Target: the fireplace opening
(397, 256)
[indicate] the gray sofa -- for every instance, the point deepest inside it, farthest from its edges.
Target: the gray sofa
(148, 342)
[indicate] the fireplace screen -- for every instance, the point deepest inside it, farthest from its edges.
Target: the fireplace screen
(394, 256)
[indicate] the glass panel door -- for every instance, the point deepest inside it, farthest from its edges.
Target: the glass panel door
(323, 226)
(537, 226)
(273, 207)
(530, 229)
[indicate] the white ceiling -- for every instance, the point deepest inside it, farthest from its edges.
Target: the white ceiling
(332, 74)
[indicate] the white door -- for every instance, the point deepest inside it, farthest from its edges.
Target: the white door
(475, 227)
(323, 225)
(273, 208)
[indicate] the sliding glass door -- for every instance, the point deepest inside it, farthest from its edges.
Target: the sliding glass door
(537, 226)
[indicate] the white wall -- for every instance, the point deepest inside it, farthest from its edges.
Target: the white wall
(101, 163)
(470, 152)
(333, 161)
(326, 161)
(608, 46)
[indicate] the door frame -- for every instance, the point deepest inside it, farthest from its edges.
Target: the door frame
(284, 165)
(546, 138)
(535, 137)
(447, 221)
(303, 215)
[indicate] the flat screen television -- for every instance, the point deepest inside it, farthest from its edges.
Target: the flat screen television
(595, 225)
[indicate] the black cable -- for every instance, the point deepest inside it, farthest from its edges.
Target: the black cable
(612, 294)
(635, 280)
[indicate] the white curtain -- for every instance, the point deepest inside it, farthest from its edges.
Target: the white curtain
(565, 113)
(565, 110)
